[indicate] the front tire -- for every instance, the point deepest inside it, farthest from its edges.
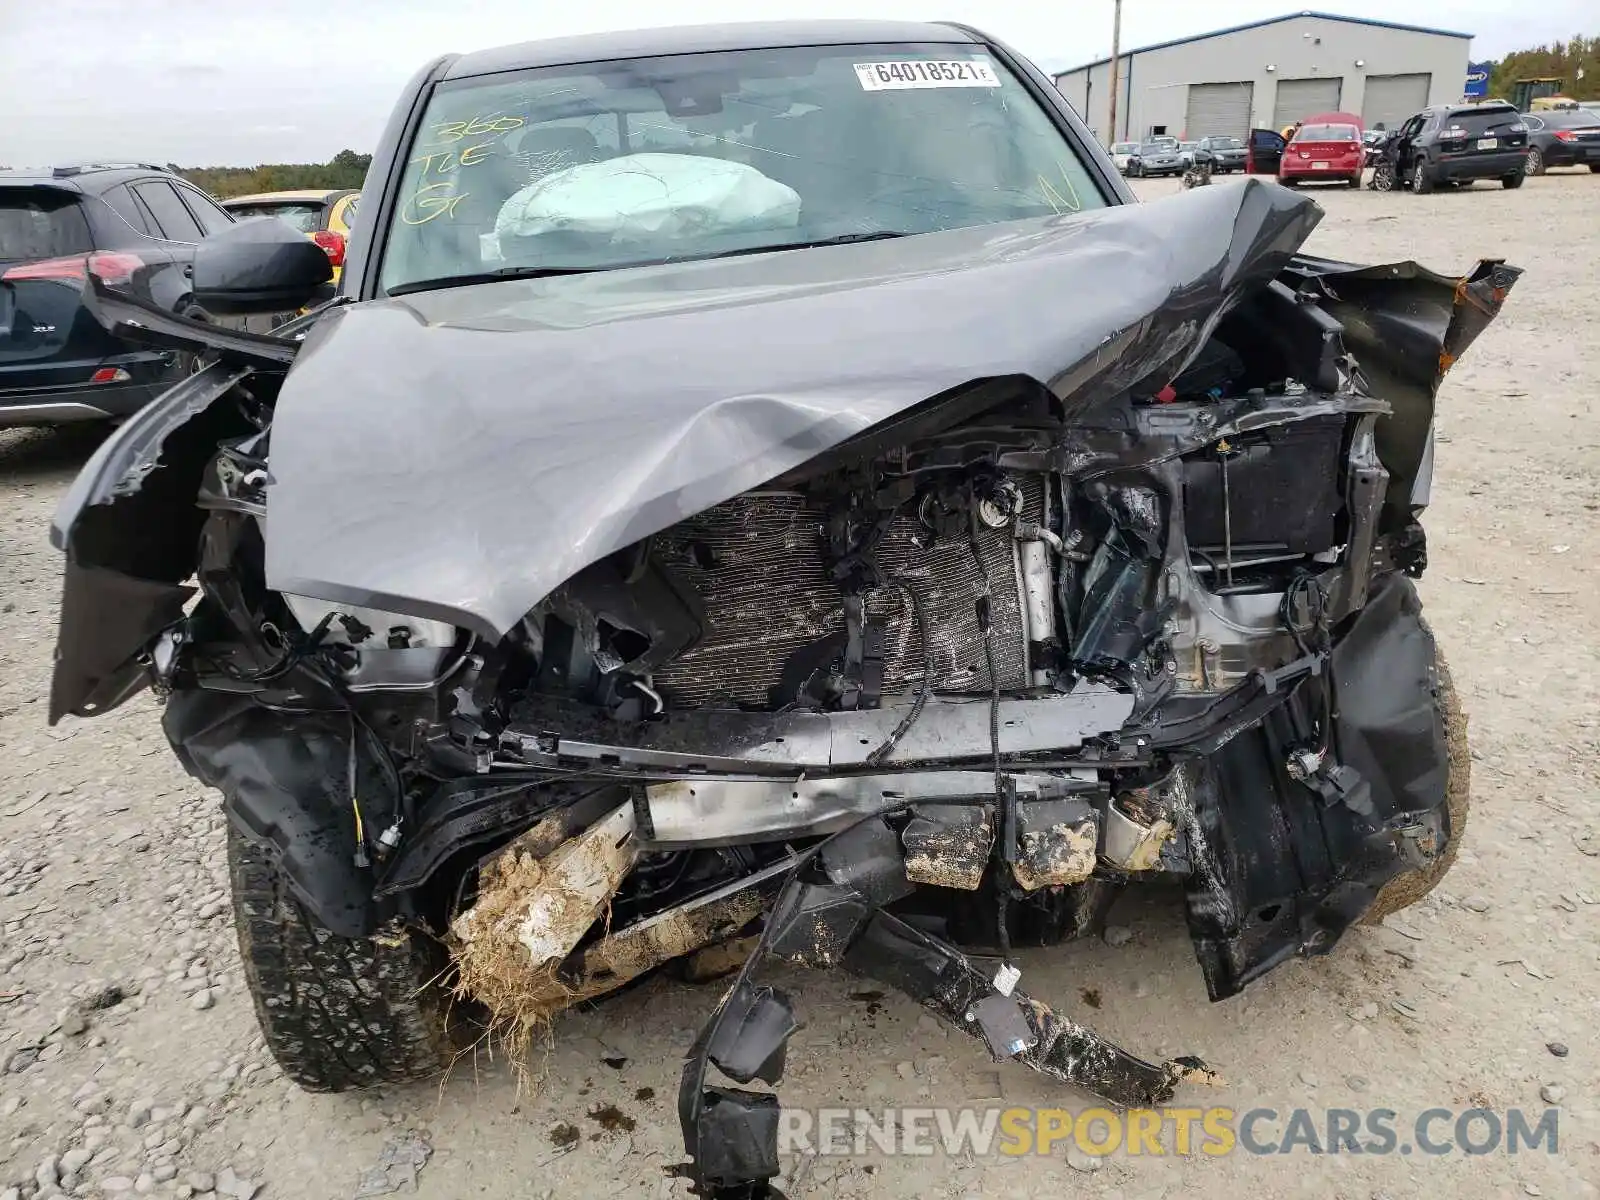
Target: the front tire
(337, 1013)
(1406, 889)
(1535, 164)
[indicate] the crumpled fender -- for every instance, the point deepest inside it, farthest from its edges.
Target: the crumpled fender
(1406, 326)
(130, 529)
(128, 522)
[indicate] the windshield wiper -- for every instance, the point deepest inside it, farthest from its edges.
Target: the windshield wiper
(843, 239)
(445, 281)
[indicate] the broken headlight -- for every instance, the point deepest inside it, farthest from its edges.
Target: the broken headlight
(383, 649)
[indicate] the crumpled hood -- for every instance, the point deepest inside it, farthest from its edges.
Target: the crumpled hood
(460, 453)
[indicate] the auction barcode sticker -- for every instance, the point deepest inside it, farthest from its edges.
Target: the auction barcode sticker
(923, 73)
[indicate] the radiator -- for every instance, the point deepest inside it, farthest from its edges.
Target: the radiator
(758, 564)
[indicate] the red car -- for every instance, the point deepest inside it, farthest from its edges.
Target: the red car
(1324, 151)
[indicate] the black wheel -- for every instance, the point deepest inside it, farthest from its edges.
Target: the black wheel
(1355, 180)
(337, 1013)
(1514, 181)
(1535, 162)
(1406, 889)
(1383, 179)
(1421, 181)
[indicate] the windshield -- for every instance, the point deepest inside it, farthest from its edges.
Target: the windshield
(306, 217)
(1328, 133)
(1124, 147)
(1155, 148)
(618, 164)
(1225, 143)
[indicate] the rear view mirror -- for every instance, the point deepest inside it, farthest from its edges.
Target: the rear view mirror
(258, 266)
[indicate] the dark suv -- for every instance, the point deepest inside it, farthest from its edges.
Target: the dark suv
(133, 227)
(1455, 144)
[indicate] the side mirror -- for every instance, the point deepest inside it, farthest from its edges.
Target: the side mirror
(258, 266)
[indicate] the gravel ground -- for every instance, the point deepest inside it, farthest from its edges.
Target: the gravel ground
(130, 1062)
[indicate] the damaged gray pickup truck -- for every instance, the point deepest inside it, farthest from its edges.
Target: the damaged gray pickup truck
(770, 494)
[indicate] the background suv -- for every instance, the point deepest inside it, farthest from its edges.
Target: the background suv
(134, 227)
(1459, 144)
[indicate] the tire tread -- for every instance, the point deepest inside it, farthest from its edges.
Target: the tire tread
(337, 1013)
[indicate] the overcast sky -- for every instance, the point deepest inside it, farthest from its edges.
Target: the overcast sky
(212, 82)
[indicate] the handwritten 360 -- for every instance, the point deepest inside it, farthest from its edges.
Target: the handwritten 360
(434, 196)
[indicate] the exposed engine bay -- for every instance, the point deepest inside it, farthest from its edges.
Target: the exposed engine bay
(939, 690)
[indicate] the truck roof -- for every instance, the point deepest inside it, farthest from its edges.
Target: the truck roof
(699, 39)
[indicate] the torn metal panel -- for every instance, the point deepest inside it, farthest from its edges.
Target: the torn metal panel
(1406, 326)
(821, 920)
(120, 463)
(954, 988)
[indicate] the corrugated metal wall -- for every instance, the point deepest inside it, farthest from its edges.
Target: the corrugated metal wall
(1218, 110)
(1301, 98)
(1392, 98)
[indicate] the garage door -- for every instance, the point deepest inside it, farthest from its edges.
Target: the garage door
(1218, 110)
(1302, 98)
(1392, 98)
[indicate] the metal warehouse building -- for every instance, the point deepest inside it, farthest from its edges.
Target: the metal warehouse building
(1270, 74)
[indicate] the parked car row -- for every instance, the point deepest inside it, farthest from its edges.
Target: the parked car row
(1439, 146)
(134, 227)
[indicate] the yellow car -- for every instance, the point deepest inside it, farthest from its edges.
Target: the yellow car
(325, 216)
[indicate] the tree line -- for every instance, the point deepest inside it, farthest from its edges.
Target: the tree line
(346, 169)
(1576, 61)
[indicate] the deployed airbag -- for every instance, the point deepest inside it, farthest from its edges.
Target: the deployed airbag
(649, 196)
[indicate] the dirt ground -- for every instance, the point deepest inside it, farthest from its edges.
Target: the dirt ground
(131, 1062)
